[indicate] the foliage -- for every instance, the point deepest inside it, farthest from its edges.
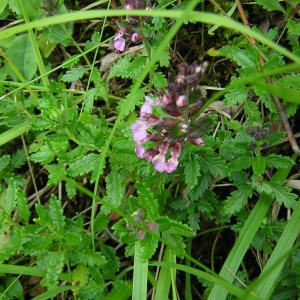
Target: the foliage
(77, 202)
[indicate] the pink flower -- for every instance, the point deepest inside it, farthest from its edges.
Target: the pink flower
(140, 151)
(119, 42)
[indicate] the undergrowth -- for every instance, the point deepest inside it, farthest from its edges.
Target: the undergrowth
(149, 149)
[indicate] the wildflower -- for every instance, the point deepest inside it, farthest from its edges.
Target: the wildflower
(128, 29)
(169, 133)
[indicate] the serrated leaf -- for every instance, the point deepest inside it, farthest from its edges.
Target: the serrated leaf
(72, 239)
(54, 265)
(237, 201)
(43, 216)
(3, 5)
(258, 165)
(291, 81)
(278, 161)
(56, 173)
(4, 162)
(87, 257)
(114, 187)
(18, 159)
(74, 74)
(197, 192)
(211, 162)
(33, 8)
(23, 207)
(241, 163)
(121, 290)
(283, 195)
(159, 80)
(147, 200)
(251, 109)
(193, 218)
(113, 264)
(56, 214)
(83, 165)
(270, 5)
(12, 244)
(138, 96)
(11, 196)
(21, 54)
(191, 171)
(148, 247)
(100, 222)
(44, 155)
(236, 95)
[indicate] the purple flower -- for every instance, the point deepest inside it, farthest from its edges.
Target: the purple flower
(169, 133)
(119, 42)
(140, 151)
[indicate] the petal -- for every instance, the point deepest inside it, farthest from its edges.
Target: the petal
(146, 108)
(159, 163)
(172, 165)
(140, 151)
(140, 135)
(119, 43)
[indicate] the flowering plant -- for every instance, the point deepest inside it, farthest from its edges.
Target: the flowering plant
(130, 29)
(169, 133)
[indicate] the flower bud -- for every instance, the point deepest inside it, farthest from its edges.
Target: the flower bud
(151, 226)
(181, 101)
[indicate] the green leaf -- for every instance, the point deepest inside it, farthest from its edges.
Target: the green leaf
(291, 81)
(251, 109)
(113, 264)
(11, 196)
(278, 161)
(21, 54)
(83, 165)
(72, 239)
(87, 257)
(56, 214)
(4, 162)
(114, 187)
(258, 165)
(147, 200)
(3, 4)
(121, 290)
(237, 201)
(236, 95)
(100, 222)
(23, 207)
(33, 8)
(53, 262)
(148, 247)
(211, 162)
(74, 74)
(125, 68)
(43, 216)
(270, 5)
(283, 195)
(159, 80)
(138, 96)
(286, 94)
(15, 290)
(44, 155)
(191, 171)
(56, 173)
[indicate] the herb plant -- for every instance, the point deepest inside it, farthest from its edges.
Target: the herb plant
(149, 149)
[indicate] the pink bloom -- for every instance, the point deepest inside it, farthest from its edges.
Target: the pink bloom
(119, 42)
(159, 162)
(140, 151)
(135, 37)
(172, 164)
(196, 141)
(181, 101)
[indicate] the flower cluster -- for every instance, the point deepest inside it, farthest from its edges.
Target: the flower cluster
(129, 29)
(169, 133)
